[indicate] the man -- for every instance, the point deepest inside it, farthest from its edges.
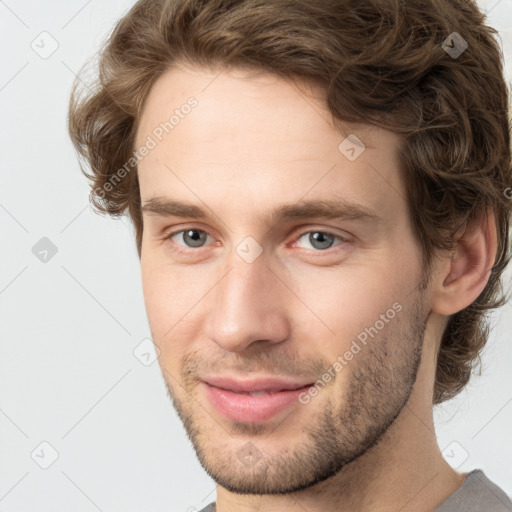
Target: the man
(319, 196)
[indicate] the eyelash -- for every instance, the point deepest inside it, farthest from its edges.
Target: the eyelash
(179, 249)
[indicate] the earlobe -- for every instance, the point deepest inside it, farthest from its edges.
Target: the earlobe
(466, 271)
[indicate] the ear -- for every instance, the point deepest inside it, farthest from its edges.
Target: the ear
(464, 274)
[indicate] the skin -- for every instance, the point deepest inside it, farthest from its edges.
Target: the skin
(256, 141)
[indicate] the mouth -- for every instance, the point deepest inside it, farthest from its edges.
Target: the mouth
(252, 401)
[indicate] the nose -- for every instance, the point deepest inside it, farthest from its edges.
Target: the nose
(249, 307)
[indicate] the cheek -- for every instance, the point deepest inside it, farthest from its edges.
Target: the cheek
(351, 300)
(156, 298)
(163, 312)
(162, 299)
(172, 298)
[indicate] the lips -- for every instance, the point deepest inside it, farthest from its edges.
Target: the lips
(252, 400)
(256, 385)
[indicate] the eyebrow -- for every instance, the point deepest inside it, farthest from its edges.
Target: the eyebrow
(325, 209)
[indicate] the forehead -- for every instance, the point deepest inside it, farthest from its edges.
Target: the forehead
(256, 129)
(255, 99)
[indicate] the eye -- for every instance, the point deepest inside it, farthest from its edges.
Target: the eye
(185, 240)
(192, 238)
(321, 240)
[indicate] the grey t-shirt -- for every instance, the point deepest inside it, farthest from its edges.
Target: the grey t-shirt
(476, 494)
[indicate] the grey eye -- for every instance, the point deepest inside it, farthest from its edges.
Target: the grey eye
(193, 237)
(320, 240)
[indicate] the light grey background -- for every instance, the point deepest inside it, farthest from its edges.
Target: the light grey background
(68, 374)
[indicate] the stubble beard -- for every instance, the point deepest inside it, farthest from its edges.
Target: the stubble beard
(381, 381)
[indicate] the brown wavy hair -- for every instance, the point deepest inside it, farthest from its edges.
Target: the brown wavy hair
(380, 62)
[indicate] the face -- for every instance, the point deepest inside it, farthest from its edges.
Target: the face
(277, 255)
